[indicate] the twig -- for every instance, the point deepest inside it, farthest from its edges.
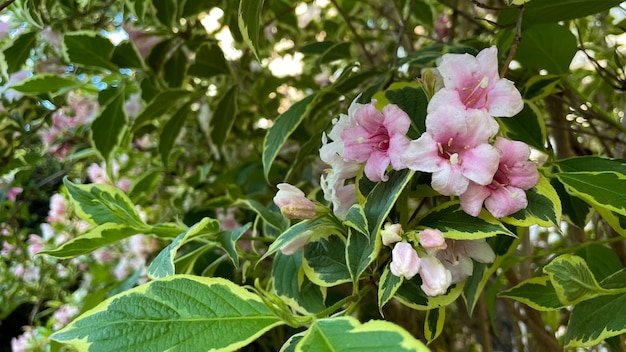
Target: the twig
(488, 7)
(358, 38)
(6, 4)
(401, 31)
(516, 41)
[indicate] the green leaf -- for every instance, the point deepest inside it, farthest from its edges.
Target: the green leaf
(166, 12)
(283, 127)
(575, 210)
(601, 260)
(127, 55)
(347, 334)
(224, 117)
(159, 106)
(274, 219)
(356, 219)
(540, 86)
(616, 221)
(537, 293)
(456, 224)
(101, 203)
(572, 279)
(98, 237)
(89, 49)
(107, 130)
(163, 264)
(599, 318)
(19, 51)
(527, 126)
(180, 312)
(433, 325)
(359, 253)
(170, 132)
(412, 100)
(293, 287)
(538, 11)
(336, 51)
(387, 287)
(600, 189)
(544, 207)
(592, 163)
(45, 83)
(411, 295)
(228, 238)
(324, 260)
(249, 18)
(175, 68)
(209, 62)
(547, 46)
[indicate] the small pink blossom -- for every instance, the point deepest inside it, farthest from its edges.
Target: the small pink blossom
(293, 203)
(432, 240)
(435, 277)
(97, 174)
(458, 257)
(58, 209)
(405, 261)
(378, 139)
(35, 244)
(456, 149)
(15, 79)
(64, 315)
(473, 83)
(391, 233)
(13, 192)
(506, 194)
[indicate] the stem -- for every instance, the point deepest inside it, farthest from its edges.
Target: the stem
(358, 38)
(6, 4)
(516, 41)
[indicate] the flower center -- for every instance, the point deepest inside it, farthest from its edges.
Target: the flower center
(448, 151)
(474, 95)
(380, 140)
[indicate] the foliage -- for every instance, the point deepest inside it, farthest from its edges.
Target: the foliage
(147, 148)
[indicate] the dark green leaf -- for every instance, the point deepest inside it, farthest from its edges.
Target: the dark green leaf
(527, 126)
(127, 55)
(249, 18)
(89, 49)
(325, 261)
(209, 62)
(170, 132)
(107, 130)
(547, 46)
(299, 292)
(175, 68)
(224, 117)
(45, 83)
(19, 51)
(159, 106)
(228, 238)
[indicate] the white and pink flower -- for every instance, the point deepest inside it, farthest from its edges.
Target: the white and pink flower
(405, 261)
(293, 203)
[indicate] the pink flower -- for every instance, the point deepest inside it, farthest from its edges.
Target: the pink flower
(455, 149)
(405, 261)
(35, 244)
(58, 209)
(144, 41)
(435, 277)
(13, 192)
(293, 203)
(432, 240)
(474, 83)
(97, 174)
(505, 194)
(64, 315)
(458, 257)
(378, 139)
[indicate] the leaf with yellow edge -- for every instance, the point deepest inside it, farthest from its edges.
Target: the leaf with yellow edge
(433, 326)
(346, 334)
(180, 312)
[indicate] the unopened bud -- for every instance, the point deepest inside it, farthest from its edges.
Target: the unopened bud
(405, 261)
(391, 233)
(293, 203)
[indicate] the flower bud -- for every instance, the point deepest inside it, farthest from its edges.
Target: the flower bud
(435, 277)
(391, 233)
(405, 261)
(292, 202)
(432, 240)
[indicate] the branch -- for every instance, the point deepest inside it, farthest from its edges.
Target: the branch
(358, 38)
(516, 41)
(6, 4)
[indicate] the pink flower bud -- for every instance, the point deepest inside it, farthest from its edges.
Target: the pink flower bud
(405, 261)
(435, 277)
(432, 240)
(292, 202)
(391, 233)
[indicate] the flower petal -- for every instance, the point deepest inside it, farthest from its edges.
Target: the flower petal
(395, 120)
(480, 164)
(449, 180)
(504, 100)
(505, 201)
(422, 154)
(472, 199)
(376, 166)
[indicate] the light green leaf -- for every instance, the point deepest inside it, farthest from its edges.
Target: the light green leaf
(180, 312)
(170, 132)
(455, 224)
(540, 86)
(347, 334)
(224, 117)
(163, 264)
(283, 127)
(19, 51)
(616, 221)
(107, 130)
(89, 49)
(387, 287)
(249, 18)
(547, 46)
(599, 189)
(537, 293)
(228, 238)
(293, 287)
(599, 318)
(324, 260)
(572, 279)
(601, 260)
(101, 203)
(209, 62)
(93, 239)
(544, 207)
(45, 83)
(433, 325)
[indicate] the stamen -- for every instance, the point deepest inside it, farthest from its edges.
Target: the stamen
(440, 148)
(450, 142)
(454, 159)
